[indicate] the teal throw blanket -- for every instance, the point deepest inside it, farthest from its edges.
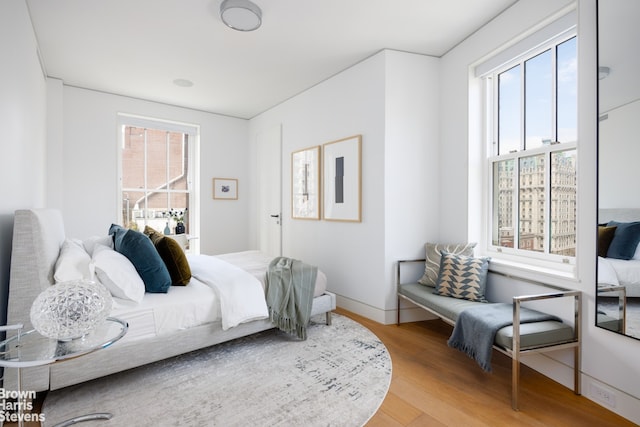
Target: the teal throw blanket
(290, 287)
(476, 328)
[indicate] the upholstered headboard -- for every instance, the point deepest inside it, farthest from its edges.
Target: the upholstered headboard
(618, 214)
(38, 235)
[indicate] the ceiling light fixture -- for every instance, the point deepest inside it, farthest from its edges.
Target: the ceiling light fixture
(241, 15)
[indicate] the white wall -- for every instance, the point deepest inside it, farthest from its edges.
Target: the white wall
(412, 175)
(618, 156)
(23, 124)
(607, 359)
(348, 104)
(88, 165)
(354, 255)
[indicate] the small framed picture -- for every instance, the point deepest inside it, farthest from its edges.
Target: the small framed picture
(225, 188)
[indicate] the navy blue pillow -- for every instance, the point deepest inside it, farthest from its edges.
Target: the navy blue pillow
(139, 249)
(625, 239)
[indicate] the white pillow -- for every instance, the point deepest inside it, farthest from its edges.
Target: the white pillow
(636, 255)
(606, 273)
(73, 263)
(117, 274)
(92, 241)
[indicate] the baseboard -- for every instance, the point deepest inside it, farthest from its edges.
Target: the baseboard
(410, 313)
(362, 309)
(608, 397)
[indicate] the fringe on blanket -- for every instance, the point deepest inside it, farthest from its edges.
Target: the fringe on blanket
(288, 325)
(471, 352)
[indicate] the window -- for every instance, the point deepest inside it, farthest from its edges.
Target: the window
(532, 122)
(157, 179)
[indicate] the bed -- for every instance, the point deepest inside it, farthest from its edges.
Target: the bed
(161, 325)
(619, 249)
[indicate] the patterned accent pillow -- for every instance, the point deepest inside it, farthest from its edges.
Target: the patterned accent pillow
(433, 252)
(462, 277)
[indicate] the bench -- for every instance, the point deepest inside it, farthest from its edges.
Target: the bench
(512, 340)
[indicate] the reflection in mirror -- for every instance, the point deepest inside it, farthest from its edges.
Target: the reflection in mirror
(618, 266)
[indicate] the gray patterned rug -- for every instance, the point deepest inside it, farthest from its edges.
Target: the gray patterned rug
(339, 376)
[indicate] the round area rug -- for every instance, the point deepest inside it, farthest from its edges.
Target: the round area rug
(339, 376)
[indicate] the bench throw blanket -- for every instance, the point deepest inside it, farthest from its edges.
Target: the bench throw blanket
(476, 327)
(290, 286)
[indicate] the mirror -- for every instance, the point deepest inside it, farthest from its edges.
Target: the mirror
(618, 266)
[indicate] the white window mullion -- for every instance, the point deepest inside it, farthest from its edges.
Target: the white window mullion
(554, 95)
(145, 179)
(547, 203)
(515, 200)
(523, 107)
(185, 160)
(554, 137)
(167, 166)
(496, 115)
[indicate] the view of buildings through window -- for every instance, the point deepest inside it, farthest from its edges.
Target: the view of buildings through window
(534, 162)
(155, 184)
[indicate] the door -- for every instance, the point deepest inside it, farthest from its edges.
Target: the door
(269, 174)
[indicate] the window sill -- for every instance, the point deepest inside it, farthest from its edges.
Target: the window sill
(559, 275)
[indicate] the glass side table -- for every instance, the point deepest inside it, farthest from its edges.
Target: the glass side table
(28, 349)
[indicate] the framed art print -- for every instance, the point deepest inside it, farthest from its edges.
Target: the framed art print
(305, 183)
(225, 188)
(342, 200)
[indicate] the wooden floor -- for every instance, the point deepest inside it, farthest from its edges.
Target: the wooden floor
(434, 385)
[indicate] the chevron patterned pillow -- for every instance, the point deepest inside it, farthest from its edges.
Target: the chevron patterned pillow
(462, 277)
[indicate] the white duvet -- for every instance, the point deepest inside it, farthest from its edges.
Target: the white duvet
(620, 272)
(240, 294)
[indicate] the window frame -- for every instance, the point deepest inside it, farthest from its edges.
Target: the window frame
(193, 174)
(490, 88)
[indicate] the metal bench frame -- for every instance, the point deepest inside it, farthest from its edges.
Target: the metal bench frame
(516, 349)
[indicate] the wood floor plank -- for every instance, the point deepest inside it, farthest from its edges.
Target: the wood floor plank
(399, 409)
(434, 385)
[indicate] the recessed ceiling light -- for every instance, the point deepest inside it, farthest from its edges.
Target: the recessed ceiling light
(183, 82)
(241, 15)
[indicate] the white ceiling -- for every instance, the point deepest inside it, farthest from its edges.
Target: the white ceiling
(139, 47)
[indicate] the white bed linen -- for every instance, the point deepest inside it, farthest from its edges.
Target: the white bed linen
(628, 271)
(627, 274)
(257, 263)
(182, 307)
(241, 295)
